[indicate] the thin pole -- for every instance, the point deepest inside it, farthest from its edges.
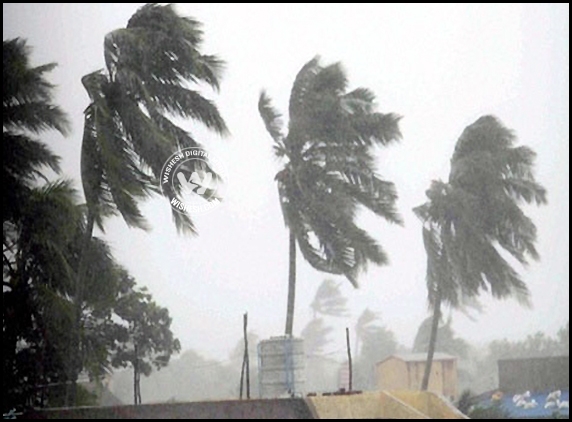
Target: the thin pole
(246, 356)
(245, 362)
(349, 358)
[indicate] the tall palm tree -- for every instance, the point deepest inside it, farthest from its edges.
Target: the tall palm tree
(470, 219)
(129, 132)
(329, 171)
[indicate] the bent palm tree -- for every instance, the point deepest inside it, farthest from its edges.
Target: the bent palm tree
(329, 171)
(129, 132)
(470, 219)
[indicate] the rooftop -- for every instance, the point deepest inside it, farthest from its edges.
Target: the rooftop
(420, 357)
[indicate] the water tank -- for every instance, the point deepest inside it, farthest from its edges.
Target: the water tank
(281, 367)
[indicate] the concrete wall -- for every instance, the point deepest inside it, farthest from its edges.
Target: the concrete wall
(378, 405)
(392, 374)
(450, 379)
(232, 409)
(395, 374)
(430, 404)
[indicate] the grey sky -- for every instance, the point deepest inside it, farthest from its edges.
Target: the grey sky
(441, 67)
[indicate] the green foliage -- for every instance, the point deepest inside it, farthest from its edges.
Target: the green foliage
(27, 110)
(494, 411)
(465, 402)
(37, 224)
(129, 132)
(146, 339)
(468, 405)
(44, 242)
(27, 97)
(329, 168)
(55, 396)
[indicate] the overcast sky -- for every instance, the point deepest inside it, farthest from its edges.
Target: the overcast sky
(440, 67)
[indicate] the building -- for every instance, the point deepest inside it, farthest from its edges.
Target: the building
(544, 374)
(531, 388)
(405, 372)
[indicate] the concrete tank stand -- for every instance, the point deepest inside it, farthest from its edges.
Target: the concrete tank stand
(281, 367)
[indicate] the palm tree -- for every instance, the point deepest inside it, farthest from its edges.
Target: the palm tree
(364, 327)
(329, 171)
(329, 300)
(129, 132)
(468, 221)
(27, 110)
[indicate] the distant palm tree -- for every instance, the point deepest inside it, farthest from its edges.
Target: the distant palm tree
(329, 171)
(329, 300)
(364, 326)
(470, 219)
(129, 133)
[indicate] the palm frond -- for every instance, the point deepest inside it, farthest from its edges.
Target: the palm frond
(300, 89)
(24, 158)
(27, 97)
(271, 118)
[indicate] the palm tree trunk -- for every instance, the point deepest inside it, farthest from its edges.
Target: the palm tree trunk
(135, 385)
(432, 339)
(291, 286)
(138, 388)
(75, 350)
(136, 394)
